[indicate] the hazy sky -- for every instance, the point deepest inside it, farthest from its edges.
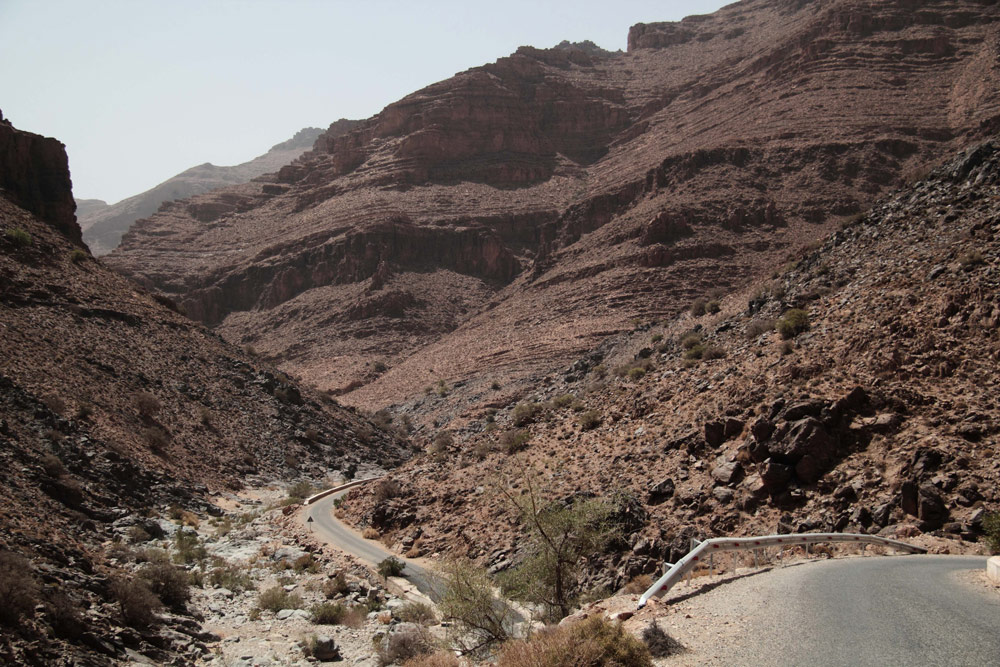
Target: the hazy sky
(141, 90)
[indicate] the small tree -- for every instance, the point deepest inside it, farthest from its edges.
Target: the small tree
(391, 567)
(483, 620)
(562, 536)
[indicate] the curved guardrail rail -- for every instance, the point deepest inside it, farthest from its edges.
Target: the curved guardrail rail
(323, 494)
(718, 544)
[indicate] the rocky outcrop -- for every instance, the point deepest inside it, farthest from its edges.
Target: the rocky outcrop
(34, 174)
(103, 225)
(575, 190)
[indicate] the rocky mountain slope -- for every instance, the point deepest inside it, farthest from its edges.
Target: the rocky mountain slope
(104, 224)
(855, 390)
(494, 225)
(113, 406)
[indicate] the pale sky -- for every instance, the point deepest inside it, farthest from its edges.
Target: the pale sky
(141, 90)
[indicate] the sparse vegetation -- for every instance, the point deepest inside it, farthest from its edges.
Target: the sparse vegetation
(18, 237)
(760, 327)
(380, 367)
(329, 613)
(524, 413)
(231, 577)
(416, 612)
(168, 582)
(84, 410)
(638, 585)
(991, 527)
(515, 440)
(405, 645)
(157, 439)
(436, 659)
(713, 307)
(589, 420)
(189, 548)
(370, 534)
(277, 598)
(391, 567)
(561, 537)
(971, 259)
(136, 602)
(592, 642)
(335, 586)
(387, 489)
(792, 323)
(697, 308)
(299, 491)
(483, 621)
(18, 589)
(147, 404)
(78, 256)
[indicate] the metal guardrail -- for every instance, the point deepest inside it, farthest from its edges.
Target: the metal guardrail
(705, 549)
(323, 494)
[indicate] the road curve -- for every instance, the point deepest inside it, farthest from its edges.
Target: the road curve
(328, 528)
(912, 610)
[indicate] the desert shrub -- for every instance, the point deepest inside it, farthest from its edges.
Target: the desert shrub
(439, 446)
(697, 308)
(524, 413)
(370, 534)
(231, 577)
(971, 259)
(300, 490)
(563, 401)
(335, 586)
(696, 351)
(659, 643)
(714, 352)
(467, 601)
(137, 535)
(387, 489)
(52, 466)
(436, 659)
(380, 367)
(405, 645)
(329, 613)
(786, 348)
(19, 237)
(136, 602)
(189, 548)
(306, 563)
(592, 642)
(442, 388)
(77, 256)
(759, 327)
(157, 439)
(656, 338)
(55, 404)
(515, 440)
(84, 410)
(638, 585)
(416, 612)
(636, 373)
(690, 340)
(64, 616)
(991, 527)
(276, 598)
(18, 590)
(589, 419)
(391, 567)
(147, 404)
(792, 323)
(713, 307)
(170, 583)
(599, 371)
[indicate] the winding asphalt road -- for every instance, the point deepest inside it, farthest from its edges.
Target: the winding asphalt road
(912, 610)
(326, 526)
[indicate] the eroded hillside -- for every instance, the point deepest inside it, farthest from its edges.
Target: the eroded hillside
(494, 225)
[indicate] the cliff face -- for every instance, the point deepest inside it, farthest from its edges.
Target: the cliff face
(523, 210)
(103, 224)
(112, 405)
(34, 174)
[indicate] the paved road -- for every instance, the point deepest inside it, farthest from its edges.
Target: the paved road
(909, 610)
(326, 526)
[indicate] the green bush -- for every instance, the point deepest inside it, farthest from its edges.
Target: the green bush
(18, 590)
(515, 440)
(189, 548)
(592, 642)
(714, 352)
(524, 413)
(230, 577)
(169, 583)
(416, 612)
(300, 490)
(636, 373)
(792, 323)
(589, 420)
(277, 598)
(991, 526)
(329, 613)
(138, 604)
(563, 401)
(391, 567)
(78, 256)
(695, 351)
(18, 237)
(690, 340)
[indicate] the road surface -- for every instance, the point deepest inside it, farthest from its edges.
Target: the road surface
(327, 527)
(907, 610)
